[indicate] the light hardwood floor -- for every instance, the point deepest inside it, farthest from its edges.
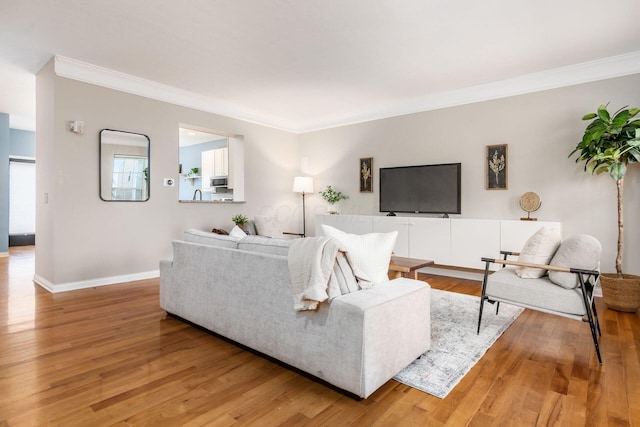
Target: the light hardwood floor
(110, 356)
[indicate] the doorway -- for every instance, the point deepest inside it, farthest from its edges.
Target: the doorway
(22, 202)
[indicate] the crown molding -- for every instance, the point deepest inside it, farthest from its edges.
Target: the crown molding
(100, 76)
(601, 69)
(586, 72)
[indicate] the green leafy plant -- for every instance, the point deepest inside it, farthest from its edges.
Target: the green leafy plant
(194, 171)
(610, 143)
(239, 219)
(332, 196)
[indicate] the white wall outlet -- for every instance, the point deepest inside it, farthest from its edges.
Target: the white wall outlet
(169, 182)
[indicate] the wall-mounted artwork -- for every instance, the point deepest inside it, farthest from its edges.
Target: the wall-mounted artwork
(497, 166)
(366, 175)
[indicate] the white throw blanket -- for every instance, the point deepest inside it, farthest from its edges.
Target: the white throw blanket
(320, 271)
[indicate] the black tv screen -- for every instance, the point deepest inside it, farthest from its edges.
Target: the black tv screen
(421, 189)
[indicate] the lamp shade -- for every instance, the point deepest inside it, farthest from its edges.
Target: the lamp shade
(303, 184)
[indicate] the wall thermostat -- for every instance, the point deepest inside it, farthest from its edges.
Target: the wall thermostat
(76, 126)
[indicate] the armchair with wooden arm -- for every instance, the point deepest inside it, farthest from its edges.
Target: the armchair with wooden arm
(569, 294)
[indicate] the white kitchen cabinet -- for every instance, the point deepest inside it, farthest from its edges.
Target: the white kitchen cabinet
(213, 163)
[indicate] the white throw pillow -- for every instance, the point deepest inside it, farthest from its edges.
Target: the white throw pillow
(582, 251)
(267, 226)
(539, 249)
(237, 232)
(371, 253)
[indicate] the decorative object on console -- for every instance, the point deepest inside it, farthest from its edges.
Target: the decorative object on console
(609, 144)
(366, 175)
(530, 202)
(332, 197)
(497, 167)
(303, 185)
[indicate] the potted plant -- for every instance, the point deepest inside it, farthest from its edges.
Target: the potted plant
(332, 197)
(194, 171)
(610, 143)
(240, 220)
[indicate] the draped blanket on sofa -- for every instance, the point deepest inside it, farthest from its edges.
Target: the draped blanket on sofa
(319, 271)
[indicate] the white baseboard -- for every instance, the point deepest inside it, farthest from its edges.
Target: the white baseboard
(4, 254)
(103, 281)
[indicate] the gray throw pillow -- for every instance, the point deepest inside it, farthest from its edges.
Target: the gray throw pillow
(582, 251)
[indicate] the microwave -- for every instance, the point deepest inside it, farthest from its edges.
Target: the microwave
(218, 181)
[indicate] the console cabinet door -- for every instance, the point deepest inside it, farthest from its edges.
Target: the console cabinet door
(430, 238)
(387, 224)
(472, 239)
(514, 234)
(353, 224)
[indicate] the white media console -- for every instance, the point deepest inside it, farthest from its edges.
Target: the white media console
(449, 242)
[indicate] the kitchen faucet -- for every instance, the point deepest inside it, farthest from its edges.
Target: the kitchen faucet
(196, 192)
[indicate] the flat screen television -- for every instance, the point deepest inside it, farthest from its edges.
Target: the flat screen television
(421, 189)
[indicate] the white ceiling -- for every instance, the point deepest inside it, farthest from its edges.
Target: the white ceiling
(303, 65)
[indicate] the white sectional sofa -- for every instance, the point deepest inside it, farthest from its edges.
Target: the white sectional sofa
(240, 289)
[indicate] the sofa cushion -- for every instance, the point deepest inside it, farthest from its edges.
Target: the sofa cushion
(371, 252)
(267, 226)
(539, 294)
(265, 245)
(582, 251)
(539, 249)
(211, 239)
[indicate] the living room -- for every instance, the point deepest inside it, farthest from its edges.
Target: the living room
(84, 242)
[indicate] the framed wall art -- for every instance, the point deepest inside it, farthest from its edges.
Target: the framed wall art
(366, 175)
(497, 167)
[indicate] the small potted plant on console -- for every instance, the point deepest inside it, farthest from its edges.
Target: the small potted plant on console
(332, 197)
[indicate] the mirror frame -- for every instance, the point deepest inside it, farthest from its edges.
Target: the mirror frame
(100, 178)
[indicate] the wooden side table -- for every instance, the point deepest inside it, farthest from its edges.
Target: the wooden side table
(408, 267)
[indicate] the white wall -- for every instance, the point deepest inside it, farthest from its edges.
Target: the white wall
(541, 129)
(83, 240)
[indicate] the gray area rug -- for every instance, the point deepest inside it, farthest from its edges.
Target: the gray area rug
(455, 346)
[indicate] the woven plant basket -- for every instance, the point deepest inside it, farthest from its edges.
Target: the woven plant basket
(621, 294)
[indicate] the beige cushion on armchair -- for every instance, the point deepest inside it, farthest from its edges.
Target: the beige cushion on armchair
(539, 249)
(582, 251)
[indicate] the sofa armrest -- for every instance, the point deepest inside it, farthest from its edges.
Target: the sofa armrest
(396, 320)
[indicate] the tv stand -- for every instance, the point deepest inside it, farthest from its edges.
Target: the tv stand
(446, 215)
(391, 214)
(452, 242)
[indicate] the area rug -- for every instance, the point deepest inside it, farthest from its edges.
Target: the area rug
(455, 346)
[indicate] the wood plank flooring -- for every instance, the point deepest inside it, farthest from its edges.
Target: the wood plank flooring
(110, 356)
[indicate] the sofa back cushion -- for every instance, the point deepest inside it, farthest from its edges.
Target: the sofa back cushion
(265, 245)
(211, 239)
